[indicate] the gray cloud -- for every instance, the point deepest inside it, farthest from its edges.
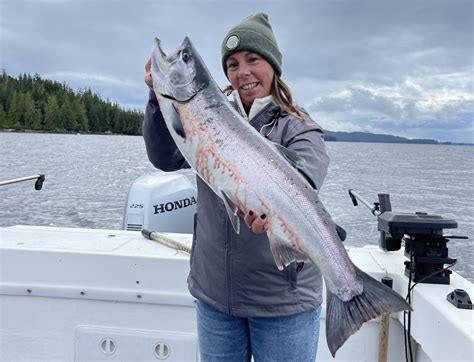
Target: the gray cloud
(402, 108)
(388, 66)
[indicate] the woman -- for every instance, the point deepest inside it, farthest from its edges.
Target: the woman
(245, 306)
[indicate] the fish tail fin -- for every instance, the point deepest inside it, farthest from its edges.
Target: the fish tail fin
(343, 318)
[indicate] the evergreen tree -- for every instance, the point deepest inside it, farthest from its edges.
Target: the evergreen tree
(92, 111)
(3, 118)
(116, 120)
(29, 111)
(5, 90)
(29, 102)
(52, 114)
(68, 116)
(15, 111)
(38, 119)
(81, 116)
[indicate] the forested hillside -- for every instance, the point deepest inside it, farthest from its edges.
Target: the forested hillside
(31, 103)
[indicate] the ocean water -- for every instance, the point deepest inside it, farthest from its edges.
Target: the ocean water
(88, 176)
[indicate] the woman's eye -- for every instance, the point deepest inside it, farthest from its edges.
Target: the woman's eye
(232, 65)
(253, 59)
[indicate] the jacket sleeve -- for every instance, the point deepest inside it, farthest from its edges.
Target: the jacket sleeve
(160, 147)
(306, 138)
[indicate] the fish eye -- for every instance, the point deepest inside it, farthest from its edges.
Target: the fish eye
(185, 56)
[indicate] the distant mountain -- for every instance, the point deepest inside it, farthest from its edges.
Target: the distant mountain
(372, 137)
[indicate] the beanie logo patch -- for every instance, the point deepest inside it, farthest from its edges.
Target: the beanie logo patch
(232, 42)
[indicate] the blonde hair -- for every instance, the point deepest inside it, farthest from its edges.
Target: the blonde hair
(282, 95)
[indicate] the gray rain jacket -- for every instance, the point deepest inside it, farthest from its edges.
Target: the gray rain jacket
(236, 273)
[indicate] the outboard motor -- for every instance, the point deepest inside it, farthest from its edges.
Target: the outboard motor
(161, 202)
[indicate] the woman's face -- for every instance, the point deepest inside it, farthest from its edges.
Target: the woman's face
(251, 75)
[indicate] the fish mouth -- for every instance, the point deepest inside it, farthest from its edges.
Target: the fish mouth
(175, 75)
(179, 75)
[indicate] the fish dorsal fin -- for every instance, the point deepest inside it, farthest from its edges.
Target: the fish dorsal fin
(231, 209)
(291, 156)
(284, 253)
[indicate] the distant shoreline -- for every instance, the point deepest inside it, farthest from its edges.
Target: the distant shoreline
(403, 143)
(383, 138)
(328, 139)
(108, 133)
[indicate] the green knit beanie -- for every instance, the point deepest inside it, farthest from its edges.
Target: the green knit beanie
(255, 34)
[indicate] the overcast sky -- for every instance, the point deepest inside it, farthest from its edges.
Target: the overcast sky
(397, 67)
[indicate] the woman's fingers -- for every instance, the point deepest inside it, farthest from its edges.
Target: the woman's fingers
(250, 217)
(258, 223)
(148, 79)
(148, 65)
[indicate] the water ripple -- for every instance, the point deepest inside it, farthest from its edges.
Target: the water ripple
(87, 179)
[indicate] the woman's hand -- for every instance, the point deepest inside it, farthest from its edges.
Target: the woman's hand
(148, 78)
(258, 224)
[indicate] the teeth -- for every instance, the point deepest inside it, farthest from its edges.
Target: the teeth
(249, 86)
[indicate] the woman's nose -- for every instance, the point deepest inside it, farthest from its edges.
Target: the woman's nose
(244, 70)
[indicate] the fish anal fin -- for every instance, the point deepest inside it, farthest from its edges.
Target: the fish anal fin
(283, 253)
(231, 209)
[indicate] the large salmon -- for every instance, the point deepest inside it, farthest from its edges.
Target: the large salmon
(248, 172)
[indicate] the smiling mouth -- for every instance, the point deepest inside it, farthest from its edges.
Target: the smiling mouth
(249, 86)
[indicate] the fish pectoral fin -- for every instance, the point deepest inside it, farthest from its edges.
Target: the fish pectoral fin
(291, 156)
(231, 209)
(284, 253)
(341, 232)
(177, 124)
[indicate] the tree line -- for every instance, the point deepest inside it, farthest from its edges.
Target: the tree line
(32, 103)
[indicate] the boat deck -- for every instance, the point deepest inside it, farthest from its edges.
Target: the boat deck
(85, 294)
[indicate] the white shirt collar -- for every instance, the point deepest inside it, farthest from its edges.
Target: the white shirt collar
(257, 105)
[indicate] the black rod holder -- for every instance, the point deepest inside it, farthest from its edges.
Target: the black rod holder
(355, 196)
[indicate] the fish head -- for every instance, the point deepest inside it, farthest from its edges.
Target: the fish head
(179, 75)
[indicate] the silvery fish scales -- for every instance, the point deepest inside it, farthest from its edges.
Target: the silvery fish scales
(248, 172)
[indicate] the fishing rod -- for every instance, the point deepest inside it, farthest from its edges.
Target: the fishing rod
(378, 208)
(38, 184)
(165, 240)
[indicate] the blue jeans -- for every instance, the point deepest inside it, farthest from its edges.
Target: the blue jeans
(226, 338)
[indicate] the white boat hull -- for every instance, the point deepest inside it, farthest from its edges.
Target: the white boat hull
(111, 295)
